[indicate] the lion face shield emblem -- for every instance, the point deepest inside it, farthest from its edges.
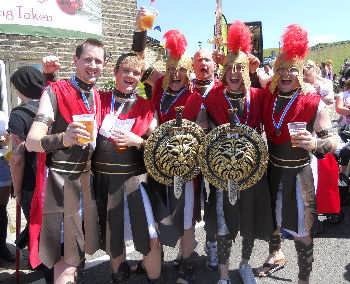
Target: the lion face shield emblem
(171, 153)
(177, 155)
(233, 158)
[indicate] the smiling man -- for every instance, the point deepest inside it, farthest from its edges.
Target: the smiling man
(289, 172)
(172, 91)
(251, 214)
(62, 236)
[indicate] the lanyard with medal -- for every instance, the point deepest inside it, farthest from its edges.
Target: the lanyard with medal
(248, 108)
(120, 108)
(125, 124)
(74, 82)
(87, 119)
(278, 124)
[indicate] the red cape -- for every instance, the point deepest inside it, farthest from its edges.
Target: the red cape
(327, 195)
(36, 211)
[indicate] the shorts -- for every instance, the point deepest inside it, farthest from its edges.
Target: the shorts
(5, 174)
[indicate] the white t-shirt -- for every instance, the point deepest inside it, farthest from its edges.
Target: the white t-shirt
(345, 120)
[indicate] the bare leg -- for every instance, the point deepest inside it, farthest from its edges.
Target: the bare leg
(188, 243)
(115, 263)
(64, 273)
(152, 261)
(120, 270)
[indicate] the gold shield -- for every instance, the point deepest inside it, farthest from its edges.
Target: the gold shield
(237, 153)
(172, 150)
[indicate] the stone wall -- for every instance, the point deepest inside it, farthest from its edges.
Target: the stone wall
(118, 25)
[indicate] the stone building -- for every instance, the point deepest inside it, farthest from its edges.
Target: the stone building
(118, 18)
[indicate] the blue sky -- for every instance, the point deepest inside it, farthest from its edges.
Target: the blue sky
(326, 21)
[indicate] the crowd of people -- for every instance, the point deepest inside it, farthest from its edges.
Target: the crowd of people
(78, 169)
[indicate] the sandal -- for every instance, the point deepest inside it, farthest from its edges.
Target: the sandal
(269, 268)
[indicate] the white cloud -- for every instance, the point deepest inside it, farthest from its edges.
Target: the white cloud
(313, 40)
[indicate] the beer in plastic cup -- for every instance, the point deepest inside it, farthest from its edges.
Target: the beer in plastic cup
(88, 121)
(119, 149)
(295, 128)
(147, 20)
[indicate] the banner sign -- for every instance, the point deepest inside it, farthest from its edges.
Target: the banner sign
(53, 18)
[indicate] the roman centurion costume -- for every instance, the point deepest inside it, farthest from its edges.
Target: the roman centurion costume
(234, 157)
(120, 176)
(184, 210)
(69, 214)
(289, 172)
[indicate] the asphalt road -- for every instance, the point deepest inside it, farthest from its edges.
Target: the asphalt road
(331, 266)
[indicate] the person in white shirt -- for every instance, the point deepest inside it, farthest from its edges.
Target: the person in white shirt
(316, 83)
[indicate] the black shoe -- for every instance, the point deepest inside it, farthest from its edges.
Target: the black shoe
(317, 227)
(186, 272)
(6, 255)
(123, 274)
(335, 219)
(48, 273)
(185, 277)
(155, 281)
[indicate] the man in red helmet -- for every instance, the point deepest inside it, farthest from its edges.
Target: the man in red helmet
(289, 172)
(251, 213)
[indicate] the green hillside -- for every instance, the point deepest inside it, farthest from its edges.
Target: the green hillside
(336, 51)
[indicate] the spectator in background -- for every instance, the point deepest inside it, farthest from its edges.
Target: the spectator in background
(323, 69)
(5, 189)
(265, 74)
(329, 70)
(342, 107)
(345, 65)
(327, 192)
(323, 86)
(344, 77)
(28, 83)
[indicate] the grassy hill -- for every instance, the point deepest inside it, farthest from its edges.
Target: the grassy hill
(337, 51)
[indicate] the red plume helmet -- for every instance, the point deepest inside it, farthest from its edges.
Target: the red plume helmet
(239, 38)
(175, 43)
(295, 42)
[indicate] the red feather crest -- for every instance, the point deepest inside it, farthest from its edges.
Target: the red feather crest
(295, 42)
(175, 43)
(239, 38)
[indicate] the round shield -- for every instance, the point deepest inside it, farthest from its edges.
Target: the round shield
(173, 151)
(237, 154)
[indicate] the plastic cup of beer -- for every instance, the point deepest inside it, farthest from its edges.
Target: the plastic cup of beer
(88, 121)
(119, 149)
(147, 19)
(295, 128)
